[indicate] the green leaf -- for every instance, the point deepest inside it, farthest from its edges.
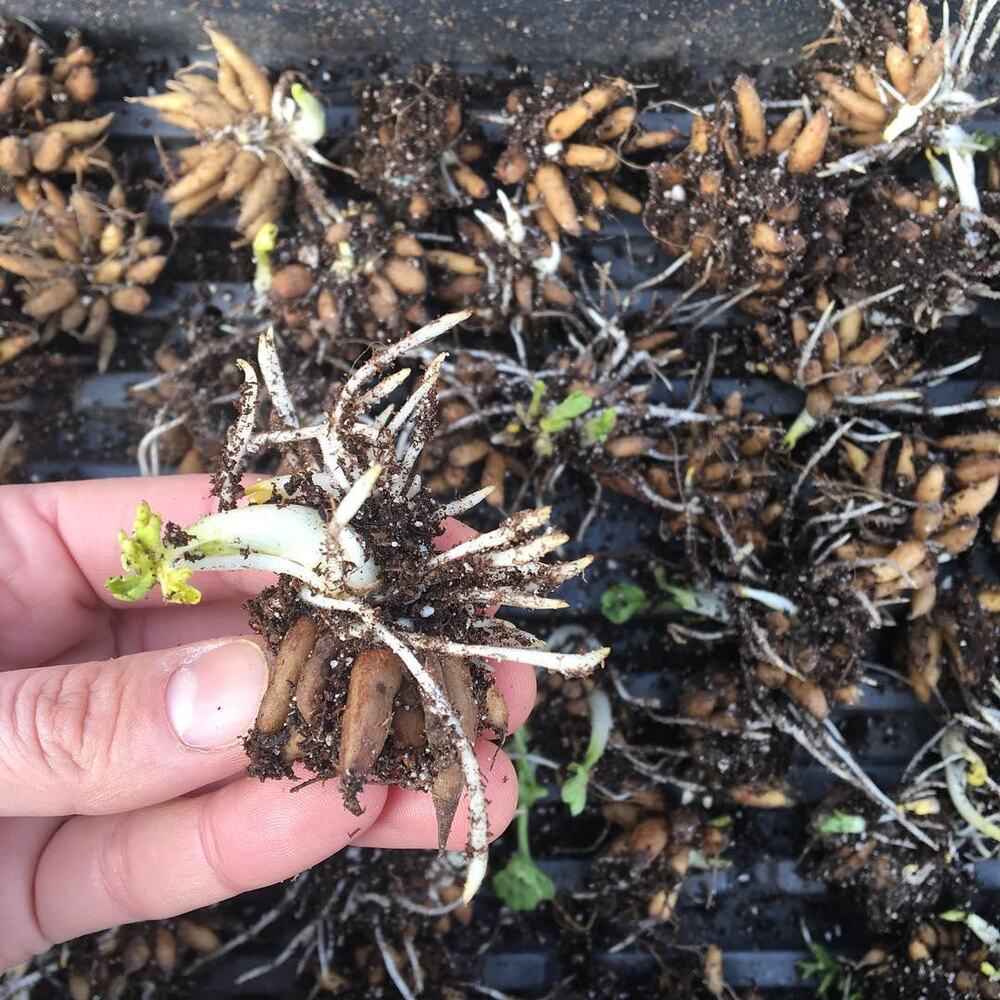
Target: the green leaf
(835, 977)
(538, 390)
(621, 601)
(721, 821)
(841, 822)
(597, 429)
(529, 789)
(954, 916)
(147, 561)
(522, 885)
(574, 788)
(563, 414)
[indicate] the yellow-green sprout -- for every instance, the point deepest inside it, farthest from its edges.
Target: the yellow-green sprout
(263, 246)
(287, 539)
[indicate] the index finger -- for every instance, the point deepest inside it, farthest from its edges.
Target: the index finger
(59, 547)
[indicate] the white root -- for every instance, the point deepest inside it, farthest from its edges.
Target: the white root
(238, 438)
(458, 507)
(274, 379)
(567, 664)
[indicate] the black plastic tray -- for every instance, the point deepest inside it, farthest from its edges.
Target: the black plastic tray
(761, 904)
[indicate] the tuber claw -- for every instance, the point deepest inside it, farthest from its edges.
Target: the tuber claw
(375, 678)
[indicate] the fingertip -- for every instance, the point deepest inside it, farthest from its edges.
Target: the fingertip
(518, 685)
(408, 821)
(454, 533)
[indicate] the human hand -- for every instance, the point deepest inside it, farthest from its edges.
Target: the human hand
(122, 793)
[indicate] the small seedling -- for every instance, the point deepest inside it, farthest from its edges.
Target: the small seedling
(835, 978)
(623, 601)
(597, 429)
(574, 789)
(839, 822)
(543, 425)
(966, 767)
(521, 884)
(983, 929)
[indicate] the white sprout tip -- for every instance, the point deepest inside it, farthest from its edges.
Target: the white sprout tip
(474, 878)
(357, 495)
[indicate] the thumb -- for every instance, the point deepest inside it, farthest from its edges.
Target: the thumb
(115, 735)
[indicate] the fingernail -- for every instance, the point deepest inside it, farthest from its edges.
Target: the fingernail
(212, 698)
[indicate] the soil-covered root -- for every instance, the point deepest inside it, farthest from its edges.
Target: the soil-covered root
(731, 754)
(37, 85)
(254, 139)
(352, 531)
(358, 282)
(895, 84)
(412, 147)
(745, 202)
(896, 881)
(857, 363)
(80, 259)
(844, 361)
(503, 267)
(919, 252)
(952, 956)
(349, 711)
(566, 141)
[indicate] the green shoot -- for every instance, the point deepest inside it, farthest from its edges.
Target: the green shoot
(840, 822)
(574, 789)
(835, 978)
(562, 415)
(597, 429)
(263, 246)
(147, 561)
(622, 601)
(538, 390)
(310, 124)
(804, 423)
(521, 884)
(266, 537)
(983, 929)
(703, 603)
(700, 861)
